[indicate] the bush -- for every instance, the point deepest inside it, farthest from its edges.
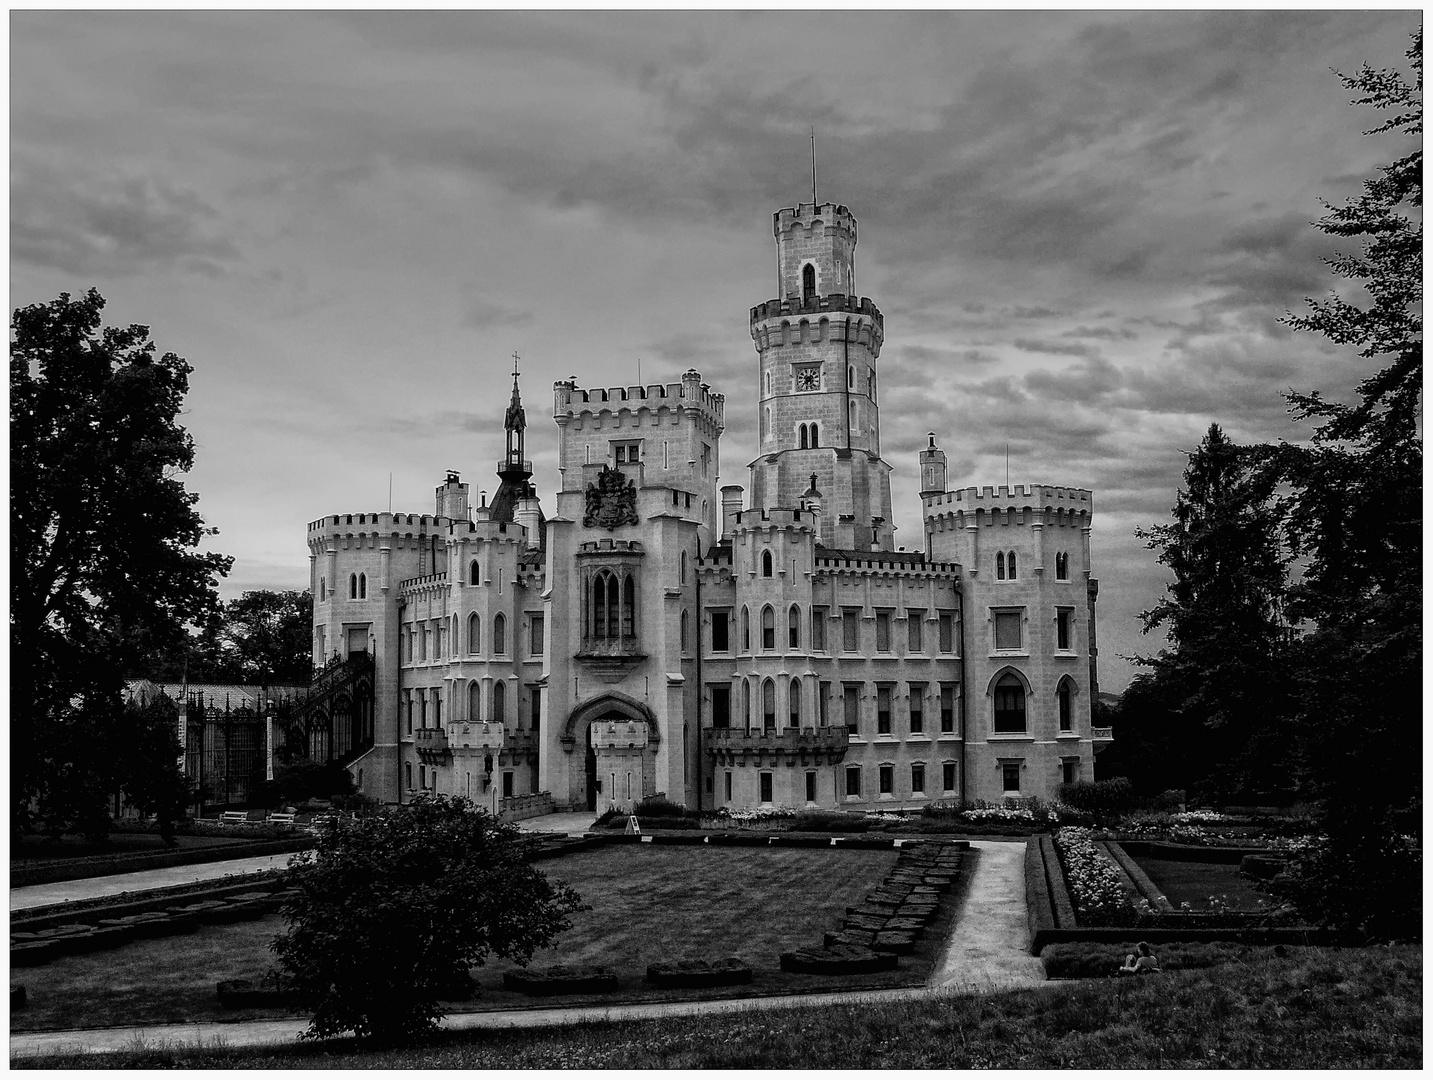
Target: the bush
(606, 818)
(302, 781)
(392, 910)
(657, 806)
(1090, 960)
(829, 821)
(1099, 797)
(1367, 879)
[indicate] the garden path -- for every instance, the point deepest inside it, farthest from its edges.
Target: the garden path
(987, 951)
(60, 892)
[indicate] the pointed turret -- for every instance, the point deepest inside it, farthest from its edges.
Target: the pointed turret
(516, 491)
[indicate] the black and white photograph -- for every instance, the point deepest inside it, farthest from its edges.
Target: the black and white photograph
(816, 539)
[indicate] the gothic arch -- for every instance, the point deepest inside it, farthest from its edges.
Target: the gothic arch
(609, 703)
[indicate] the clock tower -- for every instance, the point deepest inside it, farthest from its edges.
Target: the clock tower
(817, 344)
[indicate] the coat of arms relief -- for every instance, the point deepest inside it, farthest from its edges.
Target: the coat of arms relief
(611, 501)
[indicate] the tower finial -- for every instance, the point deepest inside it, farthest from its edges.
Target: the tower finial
(813, 165)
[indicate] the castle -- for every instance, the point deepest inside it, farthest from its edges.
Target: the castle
(660, 634)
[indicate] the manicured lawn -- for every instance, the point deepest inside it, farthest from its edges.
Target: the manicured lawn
(34, 850)
(1195, 882)
(649, 902)
(1315, 1008)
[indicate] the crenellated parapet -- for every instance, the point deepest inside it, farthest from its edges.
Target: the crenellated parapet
(690, 394)
(815, 305)
(908, 564)
(1054, 505)
(831, 219)
(759, 519)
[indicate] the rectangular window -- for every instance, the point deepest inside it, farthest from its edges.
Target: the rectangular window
(811, 787)
(917, 779)
(768, 630)
(818, 629)
(887, 779)
(409, 765)
(883, 631)
(410, 713)
(1067, 770)
(1010, 777)
(425, 644)
(536, 630)
(507, 784)
(536, 700)
(947, 631)
(422, 776)
(850, 630)
(728, 787)
(851, 708)
(721, 706)
(883, 710)
(947, 709)
(823, 696)
(1062, 629)
(1007, 631)
(915, 625)
(721, 639)
(917, 708)
(626, 453)
(766, 787)
(947, 776)
(853, 781)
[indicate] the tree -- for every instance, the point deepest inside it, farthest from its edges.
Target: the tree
(1224, 613)
(1355, 515)
(394, 909)
(271, 635)
(103, 538)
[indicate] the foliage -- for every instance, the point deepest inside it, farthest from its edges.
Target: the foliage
(302, 781)
(1099, 797)
(657, 806)
(104, 571)
(1095, 960)
(829, 821)
(1096, 889)
(1378, 892)
(392, 910)
(262, 637)
(755, 814)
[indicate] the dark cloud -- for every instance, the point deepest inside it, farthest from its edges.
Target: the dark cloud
(1054, 348)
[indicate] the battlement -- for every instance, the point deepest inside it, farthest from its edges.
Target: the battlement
(610, 544)
(816, 305)
(426, 579)
(691, 392)
(339, 524)
(758, 518)
(888, 561)
(1016, 497)
(807, 215)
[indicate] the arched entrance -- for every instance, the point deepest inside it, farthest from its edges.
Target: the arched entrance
(617, 736)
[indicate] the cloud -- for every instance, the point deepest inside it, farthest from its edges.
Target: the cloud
(482, 313)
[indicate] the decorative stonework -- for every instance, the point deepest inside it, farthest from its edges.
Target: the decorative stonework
(611, 501)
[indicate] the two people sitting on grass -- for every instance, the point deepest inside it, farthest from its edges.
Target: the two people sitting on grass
(1141, 962)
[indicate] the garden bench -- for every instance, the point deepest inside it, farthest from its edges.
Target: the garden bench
(281, 819)
(233, 817)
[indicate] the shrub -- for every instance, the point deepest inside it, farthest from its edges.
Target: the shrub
(1367, 879)
(392, 910)
(1099, 797)
(607, 817)
(829, 821)
(657, 806)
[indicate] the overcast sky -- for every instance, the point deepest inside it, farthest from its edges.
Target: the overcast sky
(1082, 230)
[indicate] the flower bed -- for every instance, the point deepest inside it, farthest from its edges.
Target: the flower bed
(1096, 889)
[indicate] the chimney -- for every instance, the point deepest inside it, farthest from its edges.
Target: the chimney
(452, 499)
(730, 507)
(526, 514)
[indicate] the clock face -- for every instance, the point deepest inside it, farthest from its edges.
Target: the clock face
(809, 379)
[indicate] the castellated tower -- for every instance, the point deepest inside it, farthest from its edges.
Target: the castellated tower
(817, 345)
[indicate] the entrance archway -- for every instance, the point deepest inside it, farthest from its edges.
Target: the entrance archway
(577, 732)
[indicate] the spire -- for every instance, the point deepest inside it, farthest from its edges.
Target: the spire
(813, 166)
(515, 420)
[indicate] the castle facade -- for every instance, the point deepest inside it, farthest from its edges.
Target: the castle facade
(660, 633)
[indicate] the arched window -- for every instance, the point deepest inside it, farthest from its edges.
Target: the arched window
(474, 575)
(475, 701)
(500, 693)
(814, 443)
(684, 630)
(629, 608)
(793, 627)
(453, 635)
(768, 704)
(801, 436)
(475, 633)
(353, 586)
(768, 628)
(322, 589)
(1062, 566)
(684, 567)
(1009, 705)
(1000, 566)
(500, 634)
(1012, 566)
(851, 377)
(746, 703)
(363, 586)
(766, 564)
(795, 703)
(745, 630)
(808, 283)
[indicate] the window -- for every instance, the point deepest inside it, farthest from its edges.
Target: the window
(353, 586)
(474, 574)
(728, 787)
(536, 626)
(1012, 565)
(437, 708)
(684, 568)
(883, 631)
(1062, 700)
(475, 633)
(745, 630)
(766, 787)
(768, 705)
(795, 704)
(363, 586)
(793, 627)
(1069, 768)
(823, 695)
(1010, 777)
(683, 632)
(947, 709)
(507, 783)
(850, 630)
(766, 564)
(887, 779)
(410, 775)
(851, 707)
(818, 629)
(917, 708)
(768, 628)
(626, 453)
(422, 709)
(425, 643)
(409, 703)
(1000, 566)
(810, 787)
(475, 702)
(883, 710)
(721, 706)
(915, 618)
(629, 608)
(1062, 629)
(851, 377)
(746, 703)
(946, 631)
(853, 782)
(1062, 566)
(1007, 631)
(1009, 705)
(917, 779)
(536, 701)
(808, 283)
(422, 776)
(947, 776)
(801, 436)
(500, 701)
(322, 589)
(720, 634)
(500, 634)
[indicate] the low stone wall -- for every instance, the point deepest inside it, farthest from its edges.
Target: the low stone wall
(522, 807)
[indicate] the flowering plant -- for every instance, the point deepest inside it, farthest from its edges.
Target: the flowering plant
(750, 815)
(1095, 887)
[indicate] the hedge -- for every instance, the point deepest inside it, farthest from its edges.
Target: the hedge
(105, 865)
(1089, 960)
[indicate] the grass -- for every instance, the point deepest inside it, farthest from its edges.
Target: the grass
(1317, 1008)
(649, 903)
(1195, 882)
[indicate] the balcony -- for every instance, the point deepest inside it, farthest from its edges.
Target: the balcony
(481, 738)
(822, 745)
(1101, 737)
(432, 744)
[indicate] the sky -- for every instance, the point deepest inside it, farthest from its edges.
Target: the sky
(1083, 229)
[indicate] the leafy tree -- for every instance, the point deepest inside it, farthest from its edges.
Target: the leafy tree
(1355, 516)
(394, 909)
(103, 537)
(271, 634)
(1224, 613)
